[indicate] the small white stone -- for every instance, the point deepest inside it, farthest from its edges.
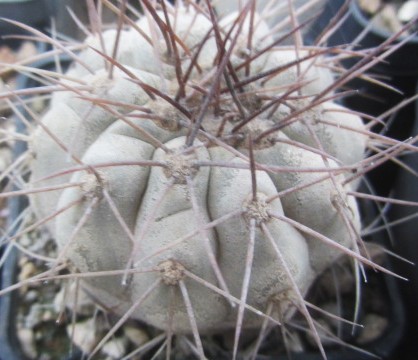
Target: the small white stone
(408, 10)
(136, 335)
(27, 271)
(35, 316)
(31, 296)
(27, 340)
(388, 18)
(370, 6)
(67, 298)
(85, 335)
(115, 348)
(26, 51)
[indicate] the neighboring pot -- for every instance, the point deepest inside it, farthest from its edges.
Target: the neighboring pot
(34, 13)
(399, 70)
(9, 343)
(10, 348)
(406, 188)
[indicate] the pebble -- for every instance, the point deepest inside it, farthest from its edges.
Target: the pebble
(388, 19)
(26, 51)
(370, 6)
(27, 271)
(136, 335)
(7, 55)
(27, 341)
(115, 348)
(25, 241)
(85, 335)
(48, 315)
(66, 298)
(38, 313)
(31, 296)
(408, 10)
(389, 15)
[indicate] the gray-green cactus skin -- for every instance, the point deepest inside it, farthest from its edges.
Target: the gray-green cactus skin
(203, 184)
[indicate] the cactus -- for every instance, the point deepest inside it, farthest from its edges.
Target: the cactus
(197, 174)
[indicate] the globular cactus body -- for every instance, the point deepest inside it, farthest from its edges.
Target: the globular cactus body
(243, 205)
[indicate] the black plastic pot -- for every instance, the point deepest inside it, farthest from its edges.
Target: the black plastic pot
(406, 234)
(400, 63)
(9, 343)
(10, 348)
(386, 347)
(399, 70)
(34, 13)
